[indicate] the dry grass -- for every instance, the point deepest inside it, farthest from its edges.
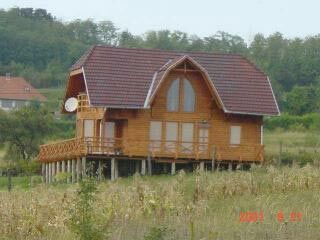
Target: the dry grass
(198, 206)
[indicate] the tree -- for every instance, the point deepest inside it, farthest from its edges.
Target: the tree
(25, 129)
(107, 32)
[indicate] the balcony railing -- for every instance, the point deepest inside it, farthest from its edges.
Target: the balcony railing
(78, 147)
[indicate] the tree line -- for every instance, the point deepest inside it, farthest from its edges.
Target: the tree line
(37, 46)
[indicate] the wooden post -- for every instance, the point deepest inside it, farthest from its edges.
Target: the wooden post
(100, 170)
(50, 173)
(116, 168)
(47, 173)
(213, 160)
(230, 166)
(68, 170)
(137, 163)
(53, 171)
(63, 166)
(202, 166)
(173, 168)
(149, 165)
(112, 168)
(73, 173)
(58, 167)
(78, 169)
(43, 172)
(84, 164)
(143, 167)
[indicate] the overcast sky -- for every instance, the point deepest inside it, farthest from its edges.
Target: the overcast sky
(293, 18)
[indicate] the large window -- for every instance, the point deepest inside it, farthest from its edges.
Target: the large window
(155, 135)
(88, 128)
(175, 97)
(171, 136)
(189, 96)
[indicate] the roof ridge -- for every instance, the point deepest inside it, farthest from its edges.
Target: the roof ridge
(169, 50)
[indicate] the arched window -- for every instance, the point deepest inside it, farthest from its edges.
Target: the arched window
(188, 96)
(173, 96)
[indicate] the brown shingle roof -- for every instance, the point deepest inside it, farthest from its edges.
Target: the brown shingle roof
(121, 77)
(19, 89)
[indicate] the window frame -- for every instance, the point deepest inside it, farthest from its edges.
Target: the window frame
(231, 139)
(181, 95)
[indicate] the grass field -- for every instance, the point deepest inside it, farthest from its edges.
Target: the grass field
(195, 206)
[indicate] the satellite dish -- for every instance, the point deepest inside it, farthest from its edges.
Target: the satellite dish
(71, 104)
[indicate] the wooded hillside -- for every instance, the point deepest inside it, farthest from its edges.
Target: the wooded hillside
(36, 45)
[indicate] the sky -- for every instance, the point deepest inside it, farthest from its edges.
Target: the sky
(293, 18)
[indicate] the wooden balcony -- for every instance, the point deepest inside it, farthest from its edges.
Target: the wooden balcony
(78, 147)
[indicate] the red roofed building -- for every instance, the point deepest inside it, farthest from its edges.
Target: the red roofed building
(16, 92)
(185, 108)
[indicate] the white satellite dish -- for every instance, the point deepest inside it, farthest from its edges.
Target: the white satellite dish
(71, 104)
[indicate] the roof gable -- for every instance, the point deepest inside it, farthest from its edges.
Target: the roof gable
(168, 67)
(126, 78)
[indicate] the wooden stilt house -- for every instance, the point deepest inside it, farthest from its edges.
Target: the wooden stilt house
(143, 110)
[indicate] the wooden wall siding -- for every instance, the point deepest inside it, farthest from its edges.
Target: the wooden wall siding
(135, 123)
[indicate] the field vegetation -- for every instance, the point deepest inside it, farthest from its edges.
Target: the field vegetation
(202, 205)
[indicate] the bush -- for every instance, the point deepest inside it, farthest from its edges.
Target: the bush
(297, 123)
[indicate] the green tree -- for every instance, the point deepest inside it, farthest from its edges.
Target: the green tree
(24, 130)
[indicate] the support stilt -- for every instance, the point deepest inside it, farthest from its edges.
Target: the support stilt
(112, 169)
(63, 166)
(73, 171)
(78, 170)
(143, 167)
(149, 165)
(116, 168)
(83, 168)
(58, 167)
(43, 172)
(230, 166)
(202, 166)
(100, 170)
(50, 173)
(173, 168)
(47, 173)
(69, 170)
(53, 171)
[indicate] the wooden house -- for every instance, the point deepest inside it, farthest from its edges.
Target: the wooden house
(143, 110)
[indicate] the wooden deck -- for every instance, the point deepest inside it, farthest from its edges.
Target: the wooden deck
(132, 148)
